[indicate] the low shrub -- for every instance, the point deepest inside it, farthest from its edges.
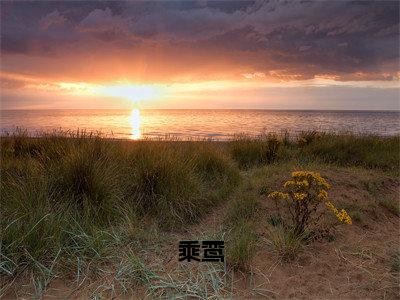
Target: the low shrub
(302, 197)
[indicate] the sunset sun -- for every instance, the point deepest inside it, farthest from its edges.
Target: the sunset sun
(134, 93)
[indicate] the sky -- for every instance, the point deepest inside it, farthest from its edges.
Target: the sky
(200, 54)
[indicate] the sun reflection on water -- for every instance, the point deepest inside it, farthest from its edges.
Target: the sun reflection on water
(135, 124)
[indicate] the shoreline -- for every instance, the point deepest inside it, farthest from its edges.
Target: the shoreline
(283, 134)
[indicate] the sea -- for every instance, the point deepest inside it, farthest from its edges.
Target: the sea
(221, 124)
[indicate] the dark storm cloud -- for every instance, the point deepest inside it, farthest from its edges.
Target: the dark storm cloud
(288, 39)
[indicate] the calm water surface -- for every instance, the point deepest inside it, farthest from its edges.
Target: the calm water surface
(216, 124)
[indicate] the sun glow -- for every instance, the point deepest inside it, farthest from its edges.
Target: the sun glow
(128, 91)
(134, 93)
(135, 124)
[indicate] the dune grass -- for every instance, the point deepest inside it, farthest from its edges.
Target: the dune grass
(72, 204)
(248, 152)
(285, 242)
(368, 151)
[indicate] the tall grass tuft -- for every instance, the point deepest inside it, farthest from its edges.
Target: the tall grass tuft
(241, 208)
(248, 151)
(216, 169)
(285, 242)
(163, 184)
(88, 183)
(241, 243)
(348, 149)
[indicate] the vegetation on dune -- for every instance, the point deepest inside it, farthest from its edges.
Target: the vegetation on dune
(302, 199)
(241, 246)
(300, 211)
(74, 205)
(249, 151)
(241, 237)
(352, 150)
(285, 241)
(62, 197)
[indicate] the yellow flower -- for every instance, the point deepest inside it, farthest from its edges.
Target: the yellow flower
(299, 174)
(299, 196)
(278, 195)
(289, 183)
(342, 216)
(302, 184)
(311, 177)
(322, 195)
(330, 206)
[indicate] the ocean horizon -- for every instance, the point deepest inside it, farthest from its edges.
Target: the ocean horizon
(218, 124)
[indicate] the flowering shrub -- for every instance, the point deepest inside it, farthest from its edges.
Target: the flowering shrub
(302, 196)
